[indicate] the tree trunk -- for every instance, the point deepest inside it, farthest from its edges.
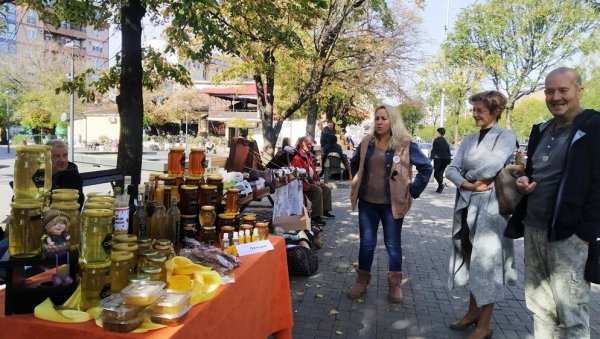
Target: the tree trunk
(265, 85)
(130, 100)
(456, 119)
(510, 105)
(311, 118)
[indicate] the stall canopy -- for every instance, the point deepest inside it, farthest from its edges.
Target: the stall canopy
(244, 92)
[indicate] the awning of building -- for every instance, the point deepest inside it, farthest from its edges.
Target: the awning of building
(245, 92)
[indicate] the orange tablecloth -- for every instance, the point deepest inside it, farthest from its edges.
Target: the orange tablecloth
(256, 305)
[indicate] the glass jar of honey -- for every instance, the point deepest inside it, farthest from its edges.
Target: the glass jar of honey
(249, 218)
(120, 268)
(194, 180)
(145, 244)
(263, 230)
(96, 239)
(169, 180)
(158, 260)
(153, 272)
(190, 230)
(176, 161)
(26, 229)
(138, 277)
(188, 202)
(216, 180)
(72, 210)
(95, 283)
(128, 247)
(207, 216)
(208, 195)
(208, 235)
(164, 246)
(244, 227)
(196, 164)
(32, 172)
(143, 258)
(226, 219)
(231, 205)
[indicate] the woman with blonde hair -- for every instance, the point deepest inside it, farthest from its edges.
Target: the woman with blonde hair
(382, 189)
(482, 258)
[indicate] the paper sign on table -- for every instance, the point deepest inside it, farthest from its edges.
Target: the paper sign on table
(254, 247)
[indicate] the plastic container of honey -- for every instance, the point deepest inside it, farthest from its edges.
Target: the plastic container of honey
(117, 316)
(170, 303)
(143, 293)
(169, 319)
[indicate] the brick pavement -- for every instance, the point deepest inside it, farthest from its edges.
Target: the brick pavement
(322, 310)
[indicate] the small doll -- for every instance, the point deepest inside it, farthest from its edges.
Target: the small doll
(56, 242)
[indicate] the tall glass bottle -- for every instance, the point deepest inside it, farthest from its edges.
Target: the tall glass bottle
(140, 218)
(173, 219)
(151, 202)
(158, 220)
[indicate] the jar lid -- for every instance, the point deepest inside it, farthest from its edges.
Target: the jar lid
(147, 253)
(177, 149)
(189, 216)
(125, 246)
(261, 224)
(157, 258)
(249, 217)
(227, 228)
(233, 190)
(98, 205)
(197, 149)
(32, 148)
(215, 177)
(151, 269)
(26, 204)
(125, 238)
(65, 206)
(121, 256)
(98, 194)
(208, 228)
(144, 241)
(139, 277)
(189, 187)
(167, 176)
(101, 199)
(65, 190)
(65, 196)
(163, 242)
(95, 265)
(245, 226)
(207, 208)
(193, 177)
(249, 214)
(227, 216)
(208, 187)
(98, 213)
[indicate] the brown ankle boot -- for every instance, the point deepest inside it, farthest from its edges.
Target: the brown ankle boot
(394, 282)
(360, 287)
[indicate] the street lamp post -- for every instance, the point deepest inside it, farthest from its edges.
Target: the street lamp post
(6, 93)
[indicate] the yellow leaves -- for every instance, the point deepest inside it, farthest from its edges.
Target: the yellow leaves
(333, 312)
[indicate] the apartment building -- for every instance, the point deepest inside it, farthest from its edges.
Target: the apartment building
(24, 33)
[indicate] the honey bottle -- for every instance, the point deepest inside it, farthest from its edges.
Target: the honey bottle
(247, 236)
(255, 235)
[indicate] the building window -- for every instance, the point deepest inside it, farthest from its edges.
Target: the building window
(31, 33)
(8, 42)
(97, 47)
(48, 37)
(31, 17)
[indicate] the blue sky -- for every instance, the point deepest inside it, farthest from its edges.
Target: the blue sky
(434, 20)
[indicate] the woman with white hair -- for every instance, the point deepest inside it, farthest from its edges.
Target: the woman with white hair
(383, 190)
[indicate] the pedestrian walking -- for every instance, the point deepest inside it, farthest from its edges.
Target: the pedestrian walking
(560, 213)
(440, 153)
(382, 188)
(482, 257)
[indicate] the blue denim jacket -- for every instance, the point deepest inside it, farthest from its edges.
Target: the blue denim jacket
(417, 158)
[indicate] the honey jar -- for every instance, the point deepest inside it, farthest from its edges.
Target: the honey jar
(133, 249)
(153, 272)
(32, 172)
(208, 195)
(145, 244)
(176, 161)
(207, 216)
(216, 180)
(188, 203)
(194, 180)
(157, 260)
(196, 164)
(26, 229)
(120, 267)
(143, 259)
(263, 230)
(208, 235)
(231, 205)
(95, 283)
(225, 229)
(164, 246)
(249, 218)
(96, 239)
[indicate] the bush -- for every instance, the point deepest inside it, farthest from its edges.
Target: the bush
(17, 139)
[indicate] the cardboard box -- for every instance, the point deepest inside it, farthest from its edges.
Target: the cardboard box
(293, 222)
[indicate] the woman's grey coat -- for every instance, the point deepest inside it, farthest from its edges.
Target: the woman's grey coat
(492, 261)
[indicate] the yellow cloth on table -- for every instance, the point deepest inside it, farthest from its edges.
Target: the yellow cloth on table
(46, 311)
(204, 281)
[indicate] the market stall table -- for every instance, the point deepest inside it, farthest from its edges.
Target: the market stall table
(256, 305)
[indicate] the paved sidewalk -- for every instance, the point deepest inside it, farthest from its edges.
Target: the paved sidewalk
(322, 310)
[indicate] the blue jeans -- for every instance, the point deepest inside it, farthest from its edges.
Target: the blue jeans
(369, 216)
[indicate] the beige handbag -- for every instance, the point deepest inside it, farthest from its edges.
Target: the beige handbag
(506, 186)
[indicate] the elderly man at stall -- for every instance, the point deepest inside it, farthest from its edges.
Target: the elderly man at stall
(65, 174)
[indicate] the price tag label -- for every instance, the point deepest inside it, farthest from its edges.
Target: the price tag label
(254, 247)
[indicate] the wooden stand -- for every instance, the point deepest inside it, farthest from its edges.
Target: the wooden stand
(23, 296)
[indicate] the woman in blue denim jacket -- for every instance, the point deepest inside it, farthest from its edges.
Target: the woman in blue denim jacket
(382, 189)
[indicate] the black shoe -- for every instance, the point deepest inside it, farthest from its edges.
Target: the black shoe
(318, 221)
(328, 215)
(440, 189)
